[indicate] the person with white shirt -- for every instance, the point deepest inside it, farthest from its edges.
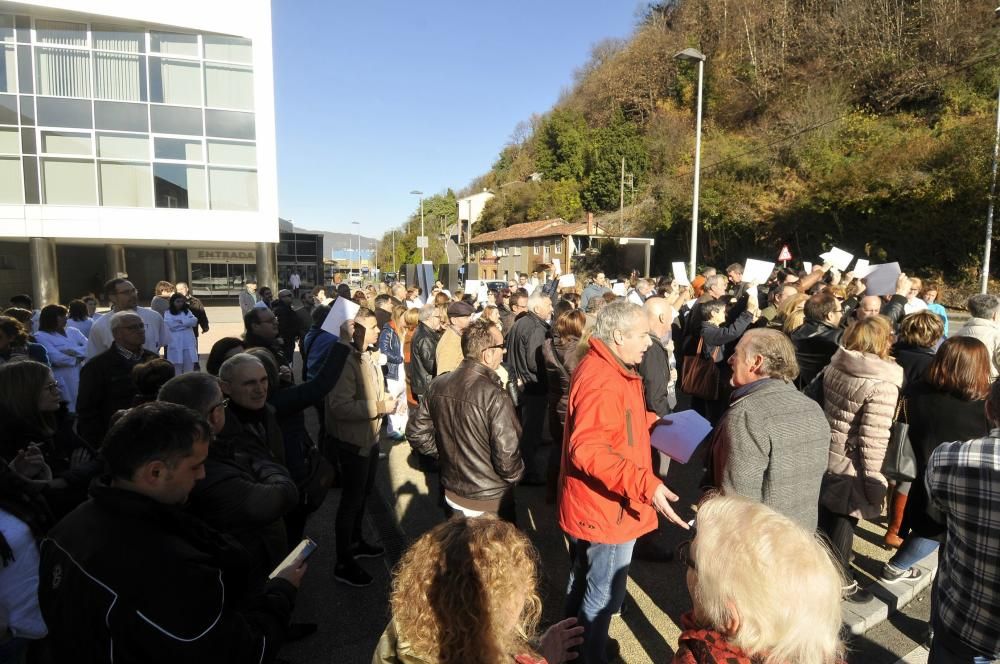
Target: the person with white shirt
(643, 289)
(66, 347)
(183, 349)
(122, 295)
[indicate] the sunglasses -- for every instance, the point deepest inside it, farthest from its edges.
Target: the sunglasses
(684, 554)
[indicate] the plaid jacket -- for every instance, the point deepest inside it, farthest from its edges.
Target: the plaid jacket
(963, 484)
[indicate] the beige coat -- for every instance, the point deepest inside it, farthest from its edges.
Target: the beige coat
(356, 404)
(860, 391)
(449, 351)
(987, 331)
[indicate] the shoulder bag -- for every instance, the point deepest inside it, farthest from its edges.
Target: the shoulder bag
(700, 377)
(900, 464)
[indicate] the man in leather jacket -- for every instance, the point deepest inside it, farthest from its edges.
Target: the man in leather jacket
(423, 361)
(524, 355)
(817, 340)
(467, 420)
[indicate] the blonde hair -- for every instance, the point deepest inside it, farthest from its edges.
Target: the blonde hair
(791, 312)
(466, 592)
(871, 335)
(741, 546)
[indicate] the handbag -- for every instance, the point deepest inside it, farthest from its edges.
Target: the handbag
(321, 476)
(700, 377)
(900, 464)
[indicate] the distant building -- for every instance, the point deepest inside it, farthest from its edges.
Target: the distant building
(471, 207)
(532, 246)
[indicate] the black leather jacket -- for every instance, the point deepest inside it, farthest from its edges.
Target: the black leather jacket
(467, 420)
(895, 309)
(815, 343)
(524, 352)
(423, 362)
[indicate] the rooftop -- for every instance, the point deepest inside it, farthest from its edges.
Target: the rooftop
(537, 229)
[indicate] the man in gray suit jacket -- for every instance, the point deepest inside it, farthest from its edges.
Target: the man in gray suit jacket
(772, 443)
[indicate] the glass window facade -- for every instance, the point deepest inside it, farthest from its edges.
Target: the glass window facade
(103, 114)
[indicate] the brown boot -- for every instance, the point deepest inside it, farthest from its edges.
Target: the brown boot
(896, 508)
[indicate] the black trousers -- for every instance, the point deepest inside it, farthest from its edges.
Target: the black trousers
(357, 480)
(839, 531)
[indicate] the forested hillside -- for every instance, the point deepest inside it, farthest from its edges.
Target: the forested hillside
(866, 123)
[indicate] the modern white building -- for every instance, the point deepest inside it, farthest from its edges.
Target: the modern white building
(136, 138)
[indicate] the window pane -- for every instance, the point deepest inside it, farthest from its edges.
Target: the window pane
(182, 149)
(8, 69)
(6, 28)
(10, 181)
(111, 38)
(24, 76)
(28, 140)
(64, 113)
(126, 185)
(233, 190)
(30, 170)
(120, 76)
(62, 72)
(8, 109)
(176, 120)
(10, 141)
(27, 109)
(122, 146)
(232, 154)
(124, 117)
(57, 142)
(179, 186)
(230, 124)
(66, 182)
(229, 86)
(174, 43)
(61, 32)
(230, 49)
(175, 82)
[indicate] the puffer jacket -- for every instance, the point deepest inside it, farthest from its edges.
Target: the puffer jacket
(390, 344)
(988, 332)
(815, 343)
(860, 393)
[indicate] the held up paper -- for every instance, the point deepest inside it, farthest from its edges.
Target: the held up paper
(557, 265)
(567, 281)
(862, 269)
(618, 288)
(881, 279)
(808, 266)
(679, 439)
(755, 270)
(680, 276)
(838, 258)
(342, 309)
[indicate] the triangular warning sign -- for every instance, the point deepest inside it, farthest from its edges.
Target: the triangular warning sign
(785, 254)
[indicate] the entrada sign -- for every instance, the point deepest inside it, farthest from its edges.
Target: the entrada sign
(220, 254)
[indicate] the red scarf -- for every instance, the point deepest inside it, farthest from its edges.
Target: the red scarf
(706, 646)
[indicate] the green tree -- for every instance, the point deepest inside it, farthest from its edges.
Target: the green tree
(561, 146)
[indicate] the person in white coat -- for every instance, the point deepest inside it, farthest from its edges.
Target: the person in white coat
(123, 297)
(67, 348)
(183, 349)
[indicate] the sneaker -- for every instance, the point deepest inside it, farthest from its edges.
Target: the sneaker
(892, 574)
(855, 594)
(365, 550)
(352, 574)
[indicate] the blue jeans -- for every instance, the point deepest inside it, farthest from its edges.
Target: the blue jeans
(914, 550)
(596, 590)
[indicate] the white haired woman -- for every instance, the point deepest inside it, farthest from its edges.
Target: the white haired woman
(742, 612)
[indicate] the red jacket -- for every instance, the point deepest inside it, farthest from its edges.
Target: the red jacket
(606, 481)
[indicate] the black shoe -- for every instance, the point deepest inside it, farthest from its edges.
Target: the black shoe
(855, 594)
(365, 550)
(612, 650)
(298, 631)
(891, 574)
(352, 574)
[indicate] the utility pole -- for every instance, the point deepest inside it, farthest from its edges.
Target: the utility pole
(394, 252)
(468, 241)
(621, 207)
(984, 285)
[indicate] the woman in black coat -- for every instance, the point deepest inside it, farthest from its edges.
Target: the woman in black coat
(718, 342)
(561, 358)
(919, 335)
(949, 405)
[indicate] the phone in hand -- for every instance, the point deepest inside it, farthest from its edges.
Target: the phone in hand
(298, 556)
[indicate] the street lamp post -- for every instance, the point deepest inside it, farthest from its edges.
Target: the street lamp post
(421, 195)
(985, 282)
(394, 252)
(695, 55)
(358, 224)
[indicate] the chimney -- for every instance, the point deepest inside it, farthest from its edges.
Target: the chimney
(590, 223)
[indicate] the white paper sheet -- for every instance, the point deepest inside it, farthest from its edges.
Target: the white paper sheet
(679, 439)
(618, 288)
(881, 279)
(838, 258)
(862, 268)
(343, 309)
(808, 266)
(567, 281)
(557, 265)
(755, 270)
(680, 274)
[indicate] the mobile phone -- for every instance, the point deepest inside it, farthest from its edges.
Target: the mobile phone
(298, 556)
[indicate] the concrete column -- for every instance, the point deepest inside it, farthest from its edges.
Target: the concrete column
(267, 266)
(170, 263)
(44, 271)
(114, 259)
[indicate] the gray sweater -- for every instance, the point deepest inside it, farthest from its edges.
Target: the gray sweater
(772, 446)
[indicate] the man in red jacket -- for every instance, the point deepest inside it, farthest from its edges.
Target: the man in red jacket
(610, 494)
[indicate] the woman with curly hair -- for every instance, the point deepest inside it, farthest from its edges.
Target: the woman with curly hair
(465, 592)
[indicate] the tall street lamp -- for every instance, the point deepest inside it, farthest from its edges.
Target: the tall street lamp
(695, 55)
(358, 224)
(985, 279)
(421, 242)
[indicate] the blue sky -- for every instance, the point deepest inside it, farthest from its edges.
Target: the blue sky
(377, 98)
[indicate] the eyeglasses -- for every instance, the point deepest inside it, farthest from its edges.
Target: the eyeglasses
(492, 347)
(684, 554)
(52, 387)
(221, 404)
(130, 291)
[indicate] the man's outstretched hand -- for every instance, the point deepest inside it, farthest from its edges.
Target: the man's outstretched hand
(661, 503)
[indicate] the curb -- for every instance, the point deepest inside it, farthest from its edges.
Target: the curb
(889, 598)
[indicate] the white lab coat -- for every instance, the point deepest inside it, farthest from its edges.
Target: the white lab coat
(183, 348)
(66, 354)
(157, 334)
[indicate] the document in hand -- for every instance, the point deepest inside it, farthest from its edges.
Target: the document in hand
(838, 258)
(567, 281)
(680, 276)
(808, 266)
(881, 279)
(862, 269)
(618, 288)
(343, 309)
(679, 439)
(755, 270)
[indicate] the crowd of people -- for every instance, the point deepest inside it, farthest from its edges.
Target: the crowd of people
(149, 505)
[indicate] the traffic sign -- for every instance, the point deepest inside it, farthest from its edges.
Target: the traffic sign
(785, 254)
(422, 242)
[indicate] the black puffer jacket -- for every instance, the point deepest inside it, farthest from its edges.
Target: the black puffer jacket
(127, 579)
(915, 362)
(467, 420)
(423, 359)
(524, 352)
(815, 343)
